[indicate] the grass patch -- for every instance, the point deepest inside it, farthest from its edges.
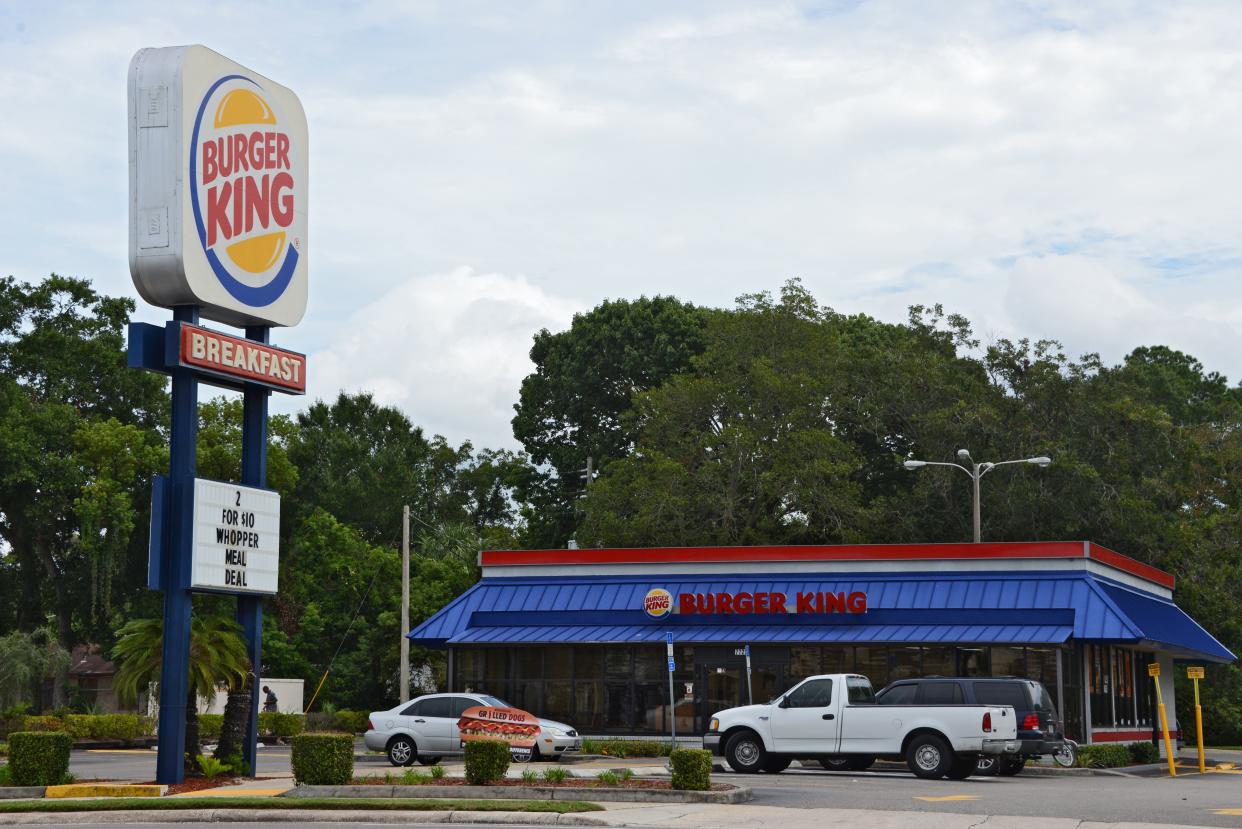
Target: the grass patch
(147, 804)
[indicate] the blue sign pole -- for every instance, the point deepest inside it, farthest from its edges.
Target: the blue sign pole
(250, 608)
(175, 661)
(672, 699)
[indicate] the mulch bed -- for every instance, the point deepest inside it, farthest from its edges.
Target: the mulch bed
(571, 783)
(197, 784)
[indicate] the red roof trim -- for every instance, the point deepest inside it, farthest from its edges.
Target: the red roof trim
(988, 551)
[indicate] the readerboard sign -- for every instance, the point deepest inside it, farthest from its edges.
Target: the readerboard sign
(236, 538)
(218, 185)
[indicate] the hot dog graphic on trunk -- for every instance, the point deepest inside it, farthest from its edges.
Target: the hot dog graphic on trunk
(514, 726)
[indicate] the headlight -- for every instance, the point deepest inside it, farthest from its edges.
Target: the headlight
(555, 732)
(714, 725)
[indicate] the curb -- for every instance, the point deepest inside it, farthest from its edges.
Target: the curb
(104, 790)
(299, 816)
(740, 794)
(21, 792)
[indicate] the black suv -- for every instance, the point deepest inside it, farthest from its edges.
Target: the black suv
(1039, 727)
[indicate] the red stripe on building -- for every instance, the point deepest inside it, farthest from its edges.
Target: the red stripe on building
(1127, 736)
(991, 551)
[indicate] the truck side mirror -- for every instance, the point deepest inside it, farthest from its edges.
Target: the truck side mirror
(784, 703)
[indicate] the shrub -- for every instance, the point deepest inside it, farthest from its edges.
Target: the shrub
(692, 769)
(486, 761)
(626, 748)
(352, 722)
(1104, 756)
(4, 776)
(437, 772)
(110, 726)
(530, 777)
(211, 767)
(323, 759)
(608, 778)
(39, 758)
(210, 726)
(555, 775)
(1144, 753)
(280, 725)
(413, 778)
(626, 775)
(4, 749)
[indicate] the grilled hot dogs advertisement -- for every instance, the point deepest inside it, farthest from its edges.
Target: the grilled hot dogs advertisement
(514, 726)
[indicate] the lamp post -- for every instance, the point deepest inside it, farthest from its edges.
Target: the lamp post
(976, 473)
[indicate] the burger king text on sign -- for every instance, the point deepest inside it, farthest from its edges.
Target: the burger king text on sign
(218, 188)
(242, 359)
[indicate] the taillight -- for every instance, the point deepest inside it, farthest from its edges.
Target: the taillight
(1030, 722)
(370, 725)
(987, 720)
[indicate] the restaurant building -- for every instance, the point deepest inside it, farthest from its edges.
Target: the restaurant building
(579, 635)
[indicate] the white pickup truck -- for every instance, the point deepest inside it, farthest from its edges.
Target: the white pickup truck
(835, 720)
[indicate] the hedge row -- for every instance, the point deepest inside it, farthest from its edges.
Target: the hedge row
(1116, 755)
(349, 722)
(486, 761)
(627, 748)
(133, 727)
(692, 769)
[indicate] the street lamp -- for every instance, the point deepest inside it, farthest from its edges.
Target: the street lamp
(976, 472)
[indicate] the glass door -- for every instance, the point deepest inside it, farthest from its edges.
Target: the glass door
(723, 686)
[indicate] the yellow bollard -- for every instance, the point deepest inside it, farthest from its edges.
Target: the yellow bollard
(1196, 674)
(1153, 671)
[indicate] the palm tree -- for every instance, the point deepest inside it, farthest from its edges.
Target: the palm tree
(217, 656)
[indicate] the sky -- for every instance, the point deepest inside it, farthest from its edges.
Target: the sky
(480, 171)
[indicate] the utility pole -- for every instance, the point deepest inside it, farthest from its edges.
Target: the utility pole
(405, 603)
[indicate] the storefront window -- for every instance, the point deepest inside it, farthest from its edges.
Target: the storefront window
(589, 662)
(528, 663)
(940, 661)
(588, 713)
(651, 702)
(651, 664)
(904, 662)
(617, 706)
(1071, 707)
(1041, 666)
(1100, 686)
(1143, 688)
(1008, 661)
(973, 662)
(617, 662)
(873, 664)
(496, 665)
(837, 660)
(1123, 699)
(557, 663)
(558, 702)
(468, 664)
(804, 661)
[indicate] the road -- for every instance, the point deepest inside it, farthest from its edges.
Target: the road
(1188, 799)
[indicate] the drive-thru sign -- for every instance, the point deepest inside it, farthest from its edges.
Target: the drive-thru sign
(218, 175)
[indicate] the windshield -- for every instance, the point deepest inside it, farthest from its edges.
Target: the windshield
(860, 692)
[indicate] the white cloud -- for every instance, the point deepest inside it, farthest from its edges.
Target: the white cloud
(449, 349)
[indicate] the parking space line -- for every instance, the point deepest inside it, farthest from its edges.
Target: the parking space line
(1231, 812)
(946, 798)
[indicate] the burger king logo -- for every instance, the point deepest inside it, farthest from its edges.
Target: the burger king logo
(244, 191)
(658, 603)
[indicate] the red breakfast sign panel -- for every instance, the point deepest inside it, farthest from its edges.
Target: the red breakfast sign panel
(242, 359)
(514, 726)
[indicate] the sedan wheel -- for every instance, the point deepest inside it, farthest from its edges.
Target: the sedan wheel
(401, 751)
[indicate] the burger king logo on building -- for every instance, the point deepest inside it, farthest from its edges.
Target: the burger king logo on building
(245, 191)
(658, 603)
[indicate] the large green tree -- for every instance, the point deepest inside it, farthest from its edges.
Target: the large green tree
(573, 406)
(79, 442)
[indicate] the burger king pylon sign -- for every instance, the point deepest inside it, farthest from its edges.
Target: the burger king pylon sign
(217, 188)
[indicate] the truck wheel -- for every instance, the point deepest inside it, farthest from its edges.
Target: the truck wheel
(745, 752)
(929, 757)
(963, 766)
(776, 765)
(1009, 766)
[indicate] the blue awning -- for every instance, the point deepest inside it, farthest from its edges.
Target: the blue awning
(930, 607)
